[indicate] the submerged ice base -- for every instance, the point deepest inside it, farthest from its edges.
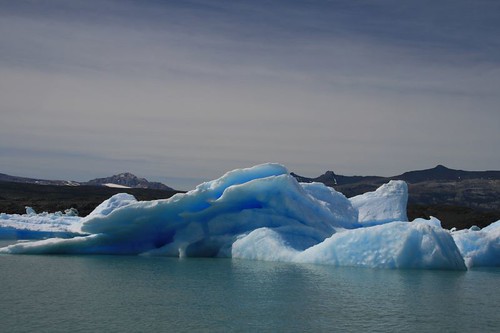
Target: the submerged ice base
(263, 213)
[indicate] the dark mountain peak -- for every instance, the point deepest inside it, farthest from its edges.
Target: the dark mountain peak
(129, 180)
(124, 179)
(328, 174)
(330, 178)
(439, 172)
(126, 175)
(441, 167)
(327, 177)
(442, 173)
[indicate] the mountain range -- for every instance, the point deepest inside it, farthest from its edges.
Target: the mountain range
(458, 198)
(439, 173)
(122, 180)
(439, 185)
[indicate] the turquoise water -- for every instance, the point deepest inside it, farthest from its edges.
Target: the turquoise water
(151, 294)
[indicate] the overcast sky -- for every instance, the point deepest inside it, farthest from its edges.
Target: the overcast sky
(183, 91)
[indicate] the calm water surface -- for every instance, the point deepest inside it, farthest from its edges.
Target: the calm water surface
(149, 294)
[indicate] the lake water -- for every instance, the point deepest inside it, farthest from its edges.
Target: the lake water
(152, 294)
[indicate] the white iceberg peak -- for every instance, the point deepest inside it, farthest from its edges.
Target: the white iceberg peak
(386, 204)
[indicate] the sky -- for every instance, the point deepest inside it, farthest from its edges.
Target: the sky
(183, 91)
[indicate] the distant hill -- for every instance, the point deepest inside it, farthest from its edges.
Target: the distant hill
(129, 180)
(458, 198)
(15, 179)
(329, 178)
(122, 180)
(15, 196)
(439, 173)
(442, 173)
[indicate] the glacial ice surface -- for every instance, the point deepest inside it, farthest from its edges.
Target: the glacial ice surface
(479, 247)
(36, 226)
(386, 204)
(263, 213)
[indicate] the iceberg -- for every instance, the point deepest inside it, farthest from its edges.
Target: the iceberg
(386, 204)
(263, 213)
(37, 226)
(392, 245)
(479, 247)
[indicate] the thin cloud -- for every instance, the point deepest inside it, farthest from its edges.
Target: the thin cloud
(202, 87)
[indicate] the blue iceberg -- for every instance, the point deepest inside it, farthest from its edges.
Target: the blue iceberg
(263, 213)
